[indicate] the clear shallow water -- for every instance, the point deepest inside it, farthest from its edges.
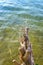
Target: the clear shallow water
(13, 15)
(20, 12)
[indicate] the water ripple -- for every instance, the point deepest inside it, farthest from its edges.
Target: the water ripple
(27, 9)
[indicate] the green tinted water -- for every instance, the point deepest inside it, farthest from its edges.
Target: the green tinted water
(15, 15)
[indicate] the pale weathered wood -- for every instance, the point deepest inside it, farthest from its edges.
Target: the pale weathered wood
(15, 62)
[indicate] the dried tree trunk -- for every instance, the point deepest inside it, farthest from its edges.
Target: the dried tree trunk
(25, 50)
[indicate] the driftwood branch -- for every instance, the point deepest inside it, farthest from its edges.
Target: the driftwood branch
(25, 50)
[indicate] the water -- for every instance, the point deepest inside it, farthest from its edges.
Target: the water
(15, 14)
(20, 12)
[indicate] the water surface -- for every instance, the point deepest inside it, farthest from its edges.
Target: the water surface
(20, 12)
(15, 14)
